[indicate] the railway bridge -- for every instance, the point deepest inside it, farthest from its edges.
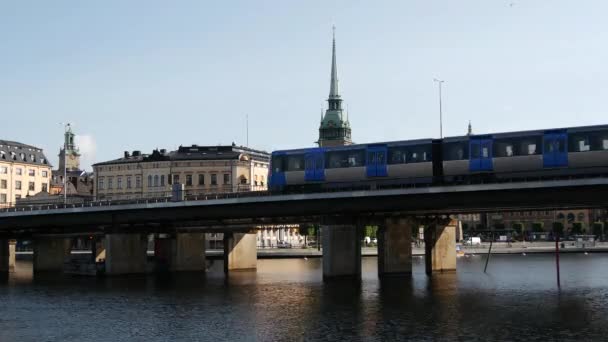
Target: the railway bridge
(122, 227)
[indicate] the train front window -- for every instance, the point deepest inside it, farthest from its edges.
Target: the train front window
(277, 164)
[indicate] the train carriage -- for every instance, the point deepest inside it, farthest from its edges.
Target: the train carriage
(454, 160)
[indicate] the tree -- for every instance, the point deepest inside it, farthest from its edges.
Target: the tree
(303, 230)
(518, 228)
(577, 228)
(598, 230)
(537, 227)
(558, 228)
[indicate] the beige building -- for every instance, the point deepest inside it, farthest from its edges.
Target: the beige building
(201, 169)
(24, 171)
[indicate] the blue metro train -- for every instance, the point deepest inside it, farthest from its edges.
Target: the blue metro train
(539, 154)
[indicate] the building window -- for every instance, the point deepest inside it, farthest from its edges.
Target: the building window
(162, 180)
(201, 179)
(45, 173)
(128, 182)
(18, 171)
(189, 180)
(175, 179)
(45, 187)
(2, 198)
(31, 172)
(3, 184)
(261, 180)
(138, 182)
(213, 179)
(155, 180)
(17, 185)
(3, 170)
(110, 181)
(244, 180)
(149, 181)
(119, 183)
(31, 186)
(226, 178)
(100, 183)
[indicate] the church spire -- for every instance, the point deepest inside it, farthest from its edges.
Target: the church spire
(333, 87)
(470, 129)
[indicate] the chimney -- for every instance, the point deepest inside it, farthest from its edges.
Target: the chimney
(126, 154)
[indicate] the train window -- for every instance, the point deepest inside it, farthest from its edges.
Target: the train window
(526, 146)
(295, 163)
(605, 144)
(504, 148)
(455, 151)
(277, 164)
(531, 148)
(419, 154)
(579, 142)
(354, 158)
(475, 151)
(397, 155)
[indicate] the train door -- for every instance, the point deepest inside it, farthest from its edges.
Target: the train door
(555, 153)
(376, 161)
(314, 166)
(480, 155)
(276, 173)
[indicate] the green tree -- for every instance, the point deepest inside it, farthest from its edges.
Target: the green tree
(558, 228)
(598, 230)
(577, 228)
(518, 228)
(537, 227)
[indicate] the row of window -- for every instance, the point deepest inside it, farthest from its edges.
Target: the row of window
(19, 171)
(355, 158)
(19, 185)
(159, 181)
(22, 156)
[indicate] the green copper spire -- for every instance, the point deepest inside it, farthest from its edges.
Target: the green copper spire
(334, 129)
(333, 86)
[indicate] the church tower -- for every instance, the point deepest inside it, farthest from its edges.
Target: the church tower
(335, 127)
(70, 156)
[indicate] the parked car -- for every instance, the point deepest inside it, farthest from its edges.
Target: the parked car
(472, 241)
(283, 244)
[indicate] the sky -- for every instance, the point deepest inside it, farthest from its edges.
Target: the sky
(140, 75)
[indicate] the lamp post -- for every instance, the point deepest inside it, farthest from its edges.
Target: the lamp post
(65, 154)
(439, 83)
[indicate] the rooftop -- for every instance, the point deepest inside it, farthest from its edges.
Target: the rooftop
(17, 152)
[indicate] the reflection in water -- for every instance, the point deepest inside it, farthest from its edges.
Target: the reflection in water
(287, 300)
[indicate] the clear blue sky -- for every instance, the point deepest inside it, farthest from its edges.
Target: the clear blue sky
(144, 74)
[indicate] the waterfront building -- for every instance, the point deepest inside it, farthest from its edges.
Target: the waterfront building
(24, 171)
(201, 169)
(334, 129)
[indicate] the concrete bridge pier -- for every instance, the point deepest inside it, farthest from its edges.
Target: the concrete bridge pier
(182, 252)
(341, 250)
(440, 246)
(125, 253)
(51, 253)
(240, 251)
(7, 257)
(395, 247)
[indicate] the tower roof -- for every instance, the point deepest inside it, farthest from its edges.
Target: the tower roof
(333, 86)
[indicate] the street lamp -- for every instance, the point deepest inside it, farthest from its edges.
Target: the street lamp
(65, 154)
(439, 83)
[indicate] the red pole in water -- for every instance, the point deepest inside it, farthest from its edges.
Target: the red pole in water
(557, 258)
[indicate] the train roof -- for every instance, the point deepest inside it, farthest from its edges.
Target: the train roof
(500, 135)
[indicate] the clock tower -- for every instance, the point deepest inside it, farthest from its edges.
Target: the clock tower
(335, 127)
(69, 155)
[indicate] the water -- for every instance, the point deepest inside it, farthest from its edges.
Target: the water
(286, 300)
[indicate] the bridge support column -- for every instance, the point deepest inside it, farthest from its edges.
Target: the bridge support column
(240, 251)
(7, 257)
(395, 247)
(185, 252)
(440, 246)
(341, 250)
(125, 253)
(50, 254)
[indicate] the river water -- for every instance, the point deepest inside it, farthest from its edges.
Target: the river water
(287, 300)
